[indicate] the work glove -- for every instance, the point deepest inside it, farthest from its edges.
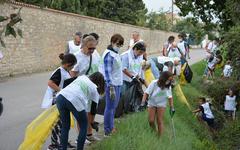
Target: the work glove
(112, 92)
(142, 107)
(172, 112)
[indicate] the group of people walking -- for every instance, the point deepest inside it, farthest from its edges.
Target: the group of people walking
(85, 76)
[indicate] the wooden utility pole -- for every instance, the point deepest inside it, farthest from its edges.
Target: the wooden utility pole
(172, 12)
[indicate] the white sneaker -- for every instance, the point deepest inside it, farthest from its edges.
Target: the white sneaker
(87, 142)
(93, 138)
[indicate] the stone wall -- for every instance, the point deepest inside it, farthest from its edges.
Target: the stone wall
(46, 31)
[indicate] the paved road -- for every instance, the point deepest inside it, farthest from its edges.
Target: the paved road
(22, 97)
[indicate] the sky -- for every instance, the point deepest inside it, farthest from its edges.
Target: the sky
(156, 5)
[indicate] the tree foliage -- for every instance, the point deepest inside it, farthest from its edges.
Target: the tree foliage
(9, 26)
(208, 11)
(125, 11)
(158, 20)
(191, 27)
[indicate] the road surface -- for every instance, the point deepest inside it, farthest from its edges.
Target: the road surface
(22, 97)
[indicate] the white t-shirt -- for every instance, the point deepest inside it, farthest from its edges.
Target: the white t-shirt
(181, 46)
(157, 96)
(230, 103)
(227, 71)
(212, 64)
(83, 62)
(131, 43)
(72, 47)
(212, 47)
(80, 93)
(174, 52)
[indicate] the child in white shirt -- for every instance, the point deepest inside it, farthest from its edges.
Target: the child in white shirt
(230, 103)
(157, 94)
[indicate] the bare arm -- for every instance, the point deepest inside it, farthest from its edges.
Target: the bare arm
(197, 110)
(126, 72)
(171, 102)
(145, 97)
(53, 86)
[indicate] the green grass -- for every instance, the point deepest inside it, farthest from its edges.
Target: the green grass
(134, 132)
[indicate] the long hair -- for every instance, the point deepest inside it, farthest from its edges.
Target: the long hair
(98, 79)
(165, 75)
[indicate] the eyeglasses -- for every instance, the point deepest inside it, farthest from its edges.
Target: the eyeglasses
(91, 48)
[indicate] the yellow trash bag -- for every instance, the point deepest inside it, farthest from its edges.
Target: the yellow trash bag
(183, 81)
(39, 129)
(149, 76)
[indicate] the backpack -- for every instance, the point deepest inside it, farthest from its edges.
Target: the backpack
(188, 74)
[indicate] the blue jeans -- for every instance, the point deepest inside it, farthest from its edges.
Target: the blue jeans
(65, 107)
(110, 109)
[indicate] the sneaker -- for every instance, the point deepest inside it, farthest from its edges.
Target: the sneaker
(52, 147)
(106, 135)
(70, 146)
(92, 138)
(87, 142)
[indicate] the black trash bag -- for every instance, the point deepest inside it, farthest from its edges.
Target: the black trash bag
(101, 106)
(133, 97)
(188, 74)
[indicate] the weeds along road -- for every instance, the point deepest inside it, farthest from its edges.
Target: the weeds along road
(22, 97)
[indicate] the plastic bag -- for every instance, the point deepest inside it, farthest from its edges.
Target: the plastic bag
(149, 76)
(40, 128)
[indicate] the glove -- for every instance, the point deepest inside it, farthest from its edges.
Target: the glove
(112, 92)
(172, 112)
(142, 107)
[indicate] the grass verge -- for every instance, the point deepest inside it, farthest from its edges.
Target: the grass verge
(134, 132)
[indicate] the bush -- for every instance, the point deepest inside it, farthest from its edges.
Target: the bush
(232, 47)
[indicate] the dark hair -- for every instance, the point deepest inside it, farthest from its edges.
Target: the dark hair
(78, 34)
(68, 59)
(219, 57)
(140, 46)
(163, 78)
(98, 79)
(203, 99)
(85, 35)
(171, 39)
(181, 36)
(95, 35)
(216, 39)
(117, 38)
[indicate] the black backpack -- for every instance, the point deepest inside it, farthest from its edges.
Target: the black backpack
(188, 74)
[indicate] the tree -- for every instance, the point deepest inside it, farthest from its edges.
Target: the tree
(207, 11)
(191, 27)
(124, 11)
(9, 25)
(158, 20)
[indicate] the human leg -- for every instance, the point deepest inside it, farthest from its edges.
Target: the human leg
(160, 114)
(65, 119)
(151, 117)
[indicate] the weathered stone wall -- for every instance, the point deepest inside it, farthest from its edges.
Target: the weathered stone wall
(46, 32)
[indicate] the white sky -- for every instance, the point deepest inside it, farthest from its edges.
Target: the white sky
(156, 5)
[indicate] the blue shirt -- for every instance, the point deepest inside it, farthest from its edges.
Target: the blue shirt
(108, 63)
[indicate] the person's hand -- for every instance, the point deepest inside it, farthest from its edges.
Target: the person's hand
(142, 107)
(112, 92)
(172, 111)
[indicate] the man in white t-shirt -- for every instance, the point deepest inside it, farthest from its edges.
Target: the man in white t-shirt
(212, 46)
(74, 46)
(135, 38)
